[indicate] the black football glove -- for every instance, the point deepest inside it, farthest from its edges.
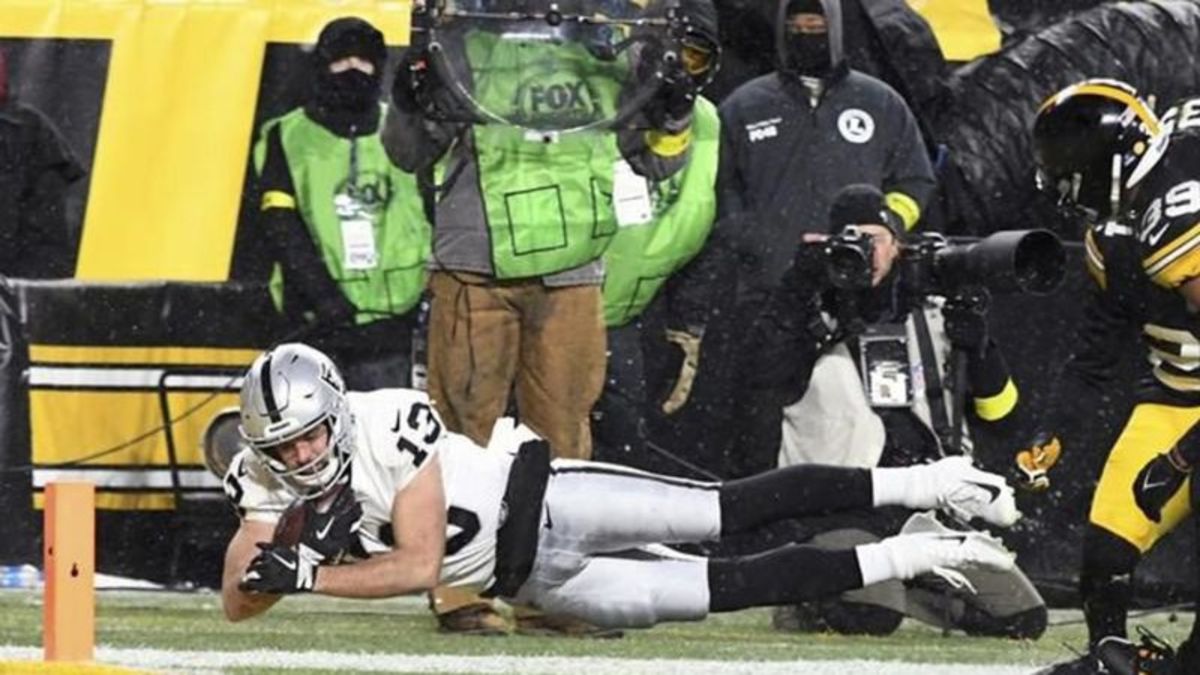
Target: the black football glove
(281, 570)
(1158, 482)
(966, 322)
(332, 531)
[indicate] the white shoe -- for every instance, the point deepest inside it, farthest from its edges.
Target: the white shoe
(916, 554)
(966, 492)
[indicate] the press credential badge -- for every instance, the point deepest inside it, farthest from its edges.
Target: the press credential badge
(631, 196)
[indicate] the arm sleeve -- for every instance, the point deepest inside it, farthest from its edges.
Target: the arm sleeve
(294, 247)
(991, 384)
(1104, 330)
(692, 292)
(730, 188)
(656, 153)
(909, 182)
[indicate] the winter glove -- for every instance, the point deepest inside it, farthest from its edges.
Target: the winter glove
(281, 570)
(1158, 481)
(966, 322)
(415, 83)
(332, 525)
(809, 274)
(671, 108)
(689, 342)
(1036, 460)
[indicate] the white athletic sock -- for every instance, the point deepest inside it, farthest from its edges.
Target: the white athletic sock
(905, 486)
(899, 557)
(875, 563)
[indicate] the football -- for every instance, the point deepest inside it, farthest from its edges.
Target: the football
(291, 524)
(295, 517)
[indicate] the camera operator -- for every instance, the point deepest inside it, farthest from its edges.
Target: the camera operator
(866, 333)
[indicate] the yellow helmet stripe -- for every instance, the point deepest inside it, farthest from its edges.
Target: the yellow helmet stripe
(1115, 93)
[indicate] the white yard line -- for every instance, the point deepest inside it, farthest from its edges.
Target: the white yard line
(191, 661)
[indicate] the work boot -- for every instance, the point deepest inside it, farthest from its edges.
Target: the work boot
(557, 625)
(478, 619)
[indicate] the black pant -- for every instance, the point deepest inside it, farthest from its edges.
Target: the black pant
(618, 420)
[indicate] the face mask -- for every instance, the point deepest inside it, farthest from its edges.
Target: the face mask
(351, 90)
(808, 54)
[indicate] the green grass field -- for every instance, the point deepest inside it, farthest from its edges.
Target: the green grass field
(185, 632)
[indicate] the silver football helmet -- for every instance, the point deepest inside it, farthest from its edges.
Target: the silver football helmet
(287, 392)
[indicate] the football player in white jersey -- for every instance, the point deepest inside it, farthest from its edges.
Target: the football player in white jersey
(404, 505)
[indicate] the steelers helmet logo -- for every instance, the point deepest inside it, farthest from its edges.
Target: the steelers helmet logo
(856, 126)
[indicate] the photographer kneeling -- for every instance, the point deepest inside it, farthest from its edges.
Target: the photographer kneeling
(862, 333)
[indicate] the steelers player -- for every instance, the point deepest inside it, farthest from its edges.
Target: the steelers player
(1132, 179)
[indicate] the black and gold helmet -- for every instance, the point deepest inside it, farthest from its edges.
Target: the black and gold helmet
(1093, 142)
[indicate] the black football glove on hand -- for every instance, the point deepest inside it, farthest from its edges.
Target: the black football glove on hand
(281, 570)
(965, 317)
(332, 531)
(1158, 482)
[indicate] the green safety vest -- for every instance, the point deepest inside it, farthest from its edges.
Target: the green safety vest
(548, 205)
(641, 258)
(319, 162)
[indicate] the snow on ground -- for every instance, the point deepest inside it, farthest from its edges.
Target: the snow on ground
(163, 660)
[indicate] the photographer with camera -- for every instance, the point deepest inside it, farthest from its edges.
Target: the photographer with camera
(872, 357)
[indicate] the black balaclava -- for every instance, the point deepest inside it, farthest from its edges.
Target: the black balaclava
(349, 99)
(806, 54)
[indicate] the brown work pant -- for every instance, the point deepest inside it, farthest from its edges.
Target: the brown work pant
(487, 338)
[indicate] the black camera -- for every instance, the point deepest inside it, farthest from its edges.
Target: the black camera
(1016, 261)
(849, 258)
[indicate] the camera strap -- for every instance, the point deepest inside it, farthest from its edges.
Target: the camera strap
(935, 393)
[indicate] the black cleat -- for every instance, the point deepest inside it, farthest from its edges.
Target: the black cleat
(1152, 656)
(1082, 665)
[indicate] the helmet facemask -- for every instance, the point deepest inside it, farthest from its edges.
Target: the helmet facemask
(323, 471)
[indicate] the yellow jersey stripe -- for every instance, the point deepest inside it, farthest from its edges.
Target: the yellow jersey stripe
(275, 199)
(1094, 259)
(992, 408)
(906, 207)
(1171, 246)
(1176, 382)
(1177, 262)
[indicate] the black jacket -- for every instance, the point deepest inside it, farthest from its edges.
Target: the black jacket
(783, 159)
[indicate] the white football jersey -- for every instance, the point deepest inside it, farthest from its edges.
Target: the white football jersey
(396, 432)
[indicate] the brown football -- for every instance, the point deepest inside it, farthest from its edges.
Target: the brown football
(291, 524)
(295, 517)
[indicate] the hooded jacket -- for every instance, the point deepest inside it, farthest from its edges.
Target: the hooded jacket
(783, 158)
